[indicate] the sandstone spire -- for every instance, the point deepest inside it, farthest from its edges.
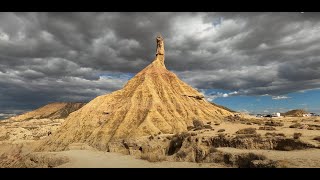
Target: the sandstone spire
(160, 50)
(160, 45)
(154, 101)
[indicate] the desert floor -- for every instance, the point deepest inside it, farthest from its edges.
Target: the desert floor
(17, 140)
(98, 159)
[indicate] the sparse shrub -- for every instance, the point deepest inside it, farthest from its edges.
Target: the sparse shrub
(273, 123)
(197, 123)
(267, 128)
(296, 125)
(193, 134)
(217, 124)
(244, 160)
(248, 136)
(221, 130)
(5, 137)
(100, 123)
(207, 127)
(198, 128)
(317, 138)
(254, 121)
(221, 135)
(181, 154)
(152, 157)
(151, 137)
(297, 135)
(159, 133)
(275, 134)
(247, 131)
(190, 128)
(209, 122)
(213, 150)
(264, 164)
(248, 123)
(316, 120)
(189, 139)
(287, 144)
(36, 137)
(312, 128)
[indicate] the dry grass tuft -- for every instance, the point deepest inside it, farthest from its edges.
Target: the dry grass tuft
(247, 131)
(151, 157)
(297, 135)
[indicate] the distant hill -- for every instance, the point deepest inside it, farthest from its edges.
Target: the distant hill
(296, 113)
(223, 107)
(58, 110)
(5, 116)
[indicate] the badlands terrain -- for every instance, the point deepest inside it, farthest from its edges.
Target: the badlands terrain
(156, 120)
(265, 142)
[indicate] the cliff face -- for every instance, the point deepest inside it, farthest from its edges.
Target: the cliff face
(155, 100)
(50, 111)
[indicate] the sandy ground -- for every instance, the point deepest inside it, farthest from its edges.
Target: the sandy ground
(99, 159)
(308, 158)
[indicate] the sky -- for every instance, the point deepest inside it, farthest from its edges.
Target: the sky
(257, 62)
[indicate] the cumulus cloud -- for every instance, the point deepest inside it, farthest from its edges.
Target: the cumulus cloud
(214, 95)
(280, 97)
(47, 57)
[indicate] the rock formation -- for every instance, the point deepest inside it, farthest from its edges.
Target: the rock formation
(154, 101)
(295, 113)
(56, 110)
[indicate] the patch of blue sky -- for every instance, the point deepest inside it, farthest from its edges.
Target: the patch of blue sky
(307, 100)
(116, 75)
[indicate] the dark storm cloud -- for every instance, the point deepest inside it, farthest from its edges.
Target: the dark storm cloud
(48, 57)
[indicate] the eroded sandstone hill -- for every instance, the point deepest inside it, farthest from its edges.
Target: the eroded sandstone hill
(296, 113)
(58, 110)
(155, 100)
